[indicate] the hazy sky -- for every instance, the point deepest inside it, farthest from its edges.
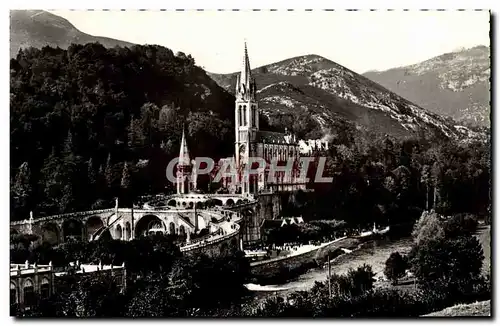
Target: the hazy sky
(360, 41)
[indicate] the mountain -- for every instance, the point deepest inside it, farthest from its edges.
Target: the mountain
(455, 84)
(38, 28)
(322, 96)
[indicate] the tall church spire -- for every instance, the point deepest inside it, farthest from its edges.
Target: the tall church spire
(245, 71)
(245, 84)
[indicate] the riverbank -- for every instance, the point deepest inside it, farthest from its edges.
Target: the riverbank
(372, 252)
(282, 269)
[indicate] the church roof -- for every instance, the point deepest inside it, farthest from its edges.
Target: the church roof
(272, 137)
(271, 224)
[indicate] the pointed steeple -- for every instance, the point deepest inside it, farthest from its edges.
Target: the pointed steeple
(184, 159)
(245, 71)
(245, 84)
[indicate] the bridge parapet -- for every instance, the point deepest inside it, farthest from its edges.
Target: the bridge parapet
(61, 216)
(213, 240)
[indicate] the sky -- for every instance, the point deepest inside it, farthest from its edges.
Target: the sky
(359, 40)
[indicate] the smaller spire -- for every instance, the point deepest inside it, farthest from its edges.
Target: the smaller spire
(184, 159)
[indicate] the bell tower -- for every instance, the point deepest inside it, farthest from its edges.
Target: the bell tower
(246, 122)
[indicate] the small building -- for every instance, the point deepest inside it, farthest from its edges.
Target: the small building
(278, 223)
(29, 283)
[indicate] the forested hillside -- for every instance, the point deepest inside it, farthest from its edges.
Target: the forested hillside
(89, 124)
(78, 115)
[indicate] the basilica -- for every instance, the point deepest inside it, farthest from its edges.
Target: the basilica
(250, 142)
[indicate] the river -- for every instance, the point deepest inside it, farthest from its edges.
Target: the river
(373, 253)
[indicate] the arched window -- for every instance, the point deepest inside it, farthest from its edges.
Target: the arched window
(172, 228)
(13, 293)
(244, 115)
(254, 116)
(45, 288)
(29, 293)
(240, 120)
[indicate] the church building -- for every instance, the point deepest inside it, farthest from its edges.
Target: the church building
(250, 142)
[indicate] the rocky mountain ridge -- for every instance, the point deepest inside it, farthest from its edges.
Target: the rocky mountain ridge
(332, 94)
(455, 84)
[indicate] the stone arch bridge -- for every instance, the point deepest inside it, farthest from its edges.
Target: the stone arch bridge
(221, 221)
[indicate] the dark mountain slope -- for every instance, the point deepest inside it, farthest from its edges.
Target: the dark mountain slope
(38, 28)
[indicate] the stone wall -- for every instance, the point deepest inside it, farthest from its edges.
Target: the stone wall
(282, 269)
(268, 207)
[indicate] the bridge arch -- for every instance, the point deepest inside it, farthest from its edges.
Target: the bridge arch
(72, 229)
(51, 233)
(230, 202)
(93, 224)
(172, 203)
(118, 232)
(217, 202)
(149, 224)
(171, 228)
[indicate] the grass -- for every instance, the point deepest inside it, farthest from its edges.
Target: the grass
(477, 309)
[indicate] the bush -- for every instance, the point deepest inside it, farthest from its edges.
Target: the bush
(395, 267)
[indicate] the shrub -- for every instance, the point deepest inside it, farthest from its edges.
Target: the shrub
(395, 267)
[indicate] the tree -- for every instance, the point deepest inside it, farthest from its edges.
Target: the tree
(136, 139)
(108, 172)
(428, 227)
(425, 179)
(21, 189)
(449, 266)
(395, 267)
(94, 295)
(91, 175)
(126, 178)
(460, 224)
(68, 148)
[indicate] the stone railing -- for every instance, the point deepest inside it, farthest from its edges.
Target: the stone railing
(215, 239)
(66, 215)
(243, 205)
